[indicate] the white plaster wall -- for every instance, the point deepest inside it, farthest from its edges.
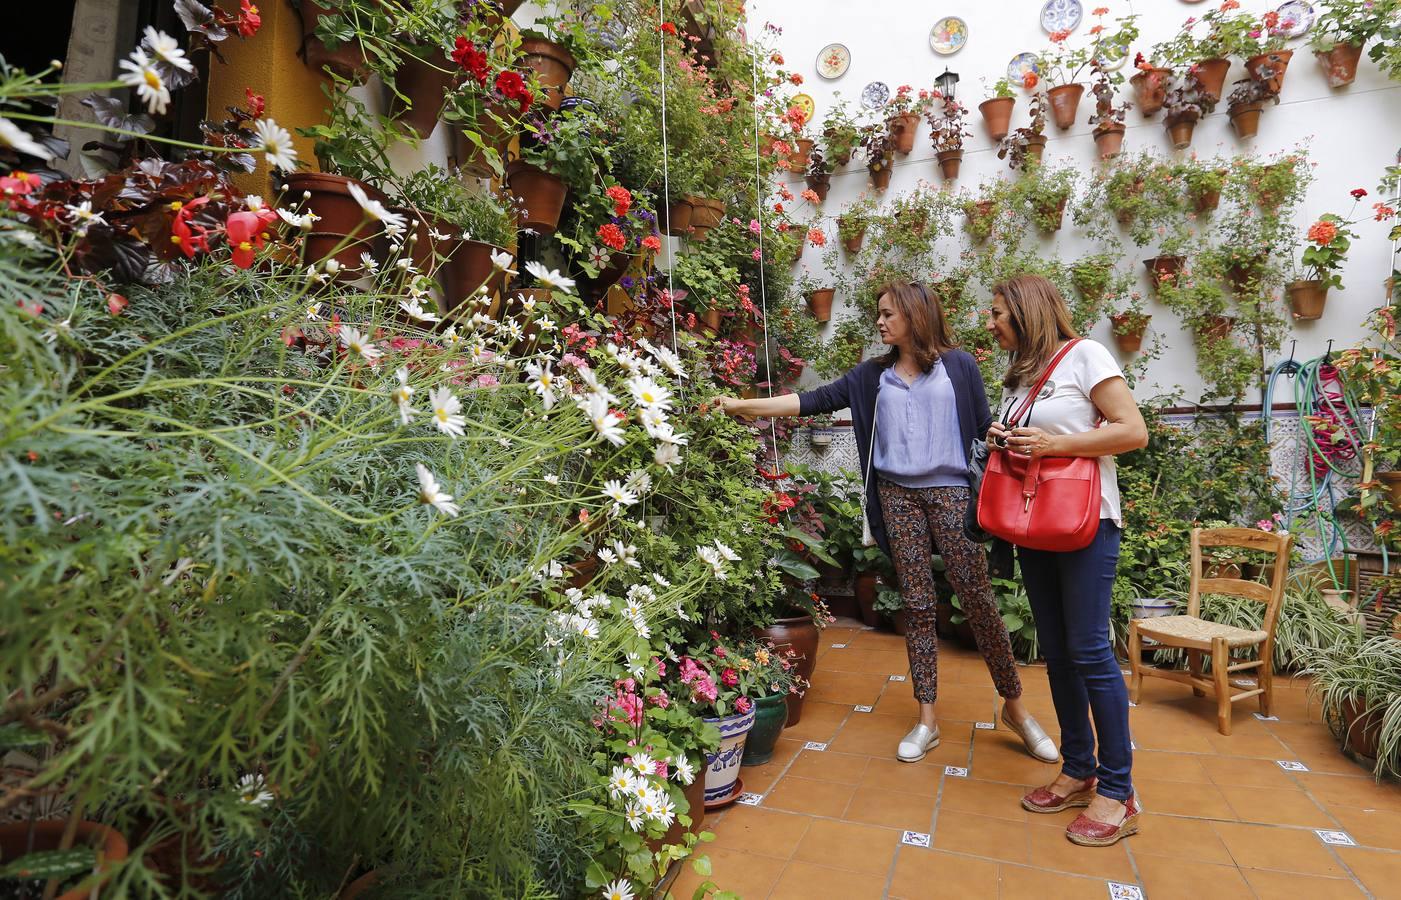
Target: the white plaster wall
(1351, 133)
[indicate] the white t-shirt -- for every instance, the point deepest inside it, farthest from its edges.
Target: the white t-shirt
(1064, 407)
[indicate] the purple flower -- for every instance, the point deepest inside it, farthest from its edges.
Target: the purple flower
(627, 282)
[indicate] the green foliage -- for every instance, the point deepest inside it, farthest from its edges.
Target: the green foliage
(843, 352)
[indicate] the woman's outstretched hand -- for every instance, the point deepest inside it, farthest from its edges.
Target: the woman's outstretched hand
(730, 406)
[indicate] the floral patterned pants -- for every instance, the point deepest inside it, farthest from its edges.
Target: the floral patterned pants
(914, 516)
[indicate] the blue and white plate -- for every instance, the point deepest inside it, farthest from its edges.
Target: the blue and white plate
(1295, 19)
(1061, 15)
(874, 95)
(1020, 65)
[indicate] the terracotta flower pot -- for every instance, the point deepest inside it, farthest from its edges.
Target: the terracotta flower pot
(467, 269)
(820, 303)
(695, 802)
(362, 885)
(1065, 100)
(47, 835)
(1216, 327)
(900, 622)
(676, 218)
(949, 162)
(1340, 63)
(347, 60)
(1306, 298)
(1206, 201)
(541, 193)
(552, 63)
(1150, 89)
(425, 83)
(880, 175)
(1274, 63)
(997, 116)
(802, 152)
(820, 185)
(1036, 147)
(838, 159)
(1164, 269)
(1128, 340)
(1180, 131)
(853, 243)
(492, 132)
(1054, 214)
(596, 288)
(1241, 274)
(865, 586)
(979, 212)
(1362, 731)
(342, 230)
(801, 634)
(423, 250)
(706, 213)
(902, 131)
(1110, 141)
(1212, 74)
(1245, 119)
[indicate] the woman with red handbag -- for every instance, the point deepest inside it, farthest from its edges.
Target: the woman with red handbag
(915, 411)
(1050, 488)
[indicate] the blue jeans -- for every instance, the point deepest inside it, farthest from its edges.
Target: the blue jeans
(1069, 595)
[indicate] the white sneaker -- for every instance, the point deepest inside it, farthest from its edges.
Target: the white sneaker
(918, 742)
(1038, 742)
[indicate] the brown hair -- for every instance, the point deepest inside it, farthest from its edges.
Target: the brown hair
(929, 328)
(1040, 320)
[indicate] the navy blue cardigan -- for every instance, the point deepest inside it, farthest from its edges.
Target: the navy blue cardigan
(856, 390)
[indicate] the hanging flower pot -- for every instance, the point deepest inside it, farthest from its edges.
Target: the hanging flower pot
(852, 243)
(18, 839)
(1215, 327)
(1109, 141)
(552, 63)
(949, 162)
(880, 172)
(347, 60)
(820, 303)
(1243, 273)
(342, 230)
(676, 217)
(1125, 213)
(770, 714)
(468, 268)
(1065, 100)
(1269, 68)
(1050, 213)
(722, 766)
(706, 213)
(540, 193)
(820, 185)
(710, 320)
(1128, 330)
(1180, 130)
(1164, 269)
(1340, 63)
(596, 288)
(902, 129)
(1150, 89)
(980, 215)
(1036, 147)
(1206, 200)
(1307, 298)
(1245, 118)
(844, 157)
(800, 634)
(425, 83)
(997, 116)
(802, 152)
(1212, 74)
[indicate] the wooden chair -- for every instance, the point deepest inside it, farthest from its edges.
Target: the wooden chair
(1198, 636)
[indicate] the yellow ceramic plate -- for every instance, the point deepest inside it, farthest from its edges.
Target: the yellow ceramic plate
(806, 104)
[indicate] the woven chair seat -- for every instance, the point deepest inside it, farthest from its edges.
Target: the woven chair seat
(1165, 628)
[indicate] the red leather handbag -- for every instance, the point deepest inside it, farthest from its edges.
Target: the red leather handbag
(1042, 503)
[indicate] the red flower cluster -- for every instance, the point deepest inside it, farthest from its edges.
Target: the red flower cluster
(1059, 36)
(186, 235)
(247, 232)
(248, 21)
(256, 103)
(1029, 80)
(612, 236)
(652, 242)
(512, 86)
(1322, 232)
(816, 237)
(622, 199)
(668, 28)
(1359, 193)
(470, 59)
(777, 503)
(18, 185)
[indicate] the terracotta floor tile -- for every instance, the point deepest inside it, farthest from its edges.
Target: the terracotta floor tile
(872, 735)
(906, 810)
(758, 779)
(1021, 769)
(1275, 806)
(897, 702)
(1283, 849)
(871, 662)
(785, 750)
(849, 845)
(933, 874)
(1172, 878)
(1329, 760)
(1050, 849)
(1292, 884)
(1159, 765)
(877, 640)
(742, 873)
(1170, 738)
(1023, 883)
(1176, 798)
(983, 836)
(1378, 870)
(1356, 789)
(1258, 745)
(1179, 838)
(761, 831)
(919, 778)
(810, 797)
(983, 798)
(804, 881)
(1370, 827)
(848, 688)
(842, 768)
(819, 721)
(1230, 771)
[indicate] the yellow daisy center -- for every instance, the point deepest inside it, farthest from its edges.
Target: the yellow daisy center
(153, 80)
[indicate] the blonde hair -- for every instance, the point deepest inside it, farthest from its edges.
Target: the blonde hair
(1040, 320)
(929, 329)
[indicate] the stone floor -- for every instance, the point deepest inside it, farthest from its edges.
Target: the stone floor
(837, 816)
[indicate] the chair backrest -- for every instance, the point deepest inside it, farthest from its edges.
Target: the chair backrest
(1272, 594)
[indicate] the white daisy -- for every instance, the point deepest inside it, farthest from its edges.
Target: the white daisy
(314, 276)
(666, 434)
(635, 818)
(642, 764)
(368, 263)
(313, 312)
(402, 394)
(542, 380)
(274, 141)
(450, 337)
(83, 217)
(651, 806)
(631, 609)
(657, 577)
(416, 311)
(501, 262)
(16, 138)
(304, 221)
(167, 49)
(605, 421)
(393, 223)
(728, 554)
(681, 612)
(620, 889)
(431, 494)
(711, 557)
(666, 455)
(653, 420)
(447, 411)
(636, 669)
(670, 361)
(648, 394)
(666, 810)
(359, 344)
(682, 770)
(641, 790)
(621, 496)
(639, 625)
(627, 554)
(639, 482)
(620, 782)
(551, 478)
(608, 556)
(585, 626)
(641, 594)
(253, 790)
(549, 278)
(141, 73)
(545, 324)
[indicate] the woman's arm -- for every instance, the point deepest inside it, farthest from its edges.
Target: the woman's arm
(781, 406)
(1123, 430)
(824, 399)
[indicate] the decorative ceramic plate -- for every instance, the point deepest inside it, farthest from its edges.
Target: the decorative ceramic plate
(948, 35)
(1295, 19)
(1021, 64)
(874, 95)
(1061, 15)
(833, 60)
(806, 104)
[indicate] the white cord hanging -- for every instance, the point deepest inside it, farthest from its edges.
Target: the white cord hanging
(759, 204)
(666, 177)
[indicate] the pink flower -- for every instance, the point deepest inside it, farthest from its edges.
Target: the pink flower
(705, 689)
(661, 701)
(754, 225)
(660, 769)
(485, 381)
(729, 678)
(742, 704)
(756, 254)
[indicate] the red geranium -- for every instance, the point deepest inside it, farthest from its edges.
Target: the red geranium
(1359, 193)
(652, 242)
(612, 236)
(512, 86)
(471, 59)
(622, 199)
(1322, 232)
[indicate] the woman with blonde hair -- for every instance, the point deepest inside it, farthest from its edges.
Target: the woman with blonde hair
(1084, 409)
(915, 410)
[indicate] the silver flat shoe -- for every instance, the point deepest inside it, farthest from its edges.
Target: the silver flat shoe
(918, 742)
(1038, 742)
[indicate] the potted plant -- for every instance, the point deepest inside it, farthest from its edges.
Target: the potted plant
(878, 150)
(1343, 31)
(853, 222)
(840, 132)
(339, 37)
(423, 78)
(1061, 66)
(819, 297)
(461, 264)
(902, 114)
(1357, 679)
(768, 675)
(1163, 270)
(1330, 238)
(1108, 117)
(89, 856)
(980, 210)
(794, 633)
(545, 51)
(947, 129)
(1150, 84)
(707, 676)
(1204, 184)
(818, 175)
(890, 607)
(820, 431)
(1128, 327)
(1022, 148)
(1044, 193)
(997, 109)
(486, 105)
(1246, 103)
(844, 351)
(1184, 104)
(870, 565)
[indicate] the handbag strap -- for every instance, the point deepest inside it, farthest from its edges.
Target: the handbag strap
(870, 449)
(1030, 399)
